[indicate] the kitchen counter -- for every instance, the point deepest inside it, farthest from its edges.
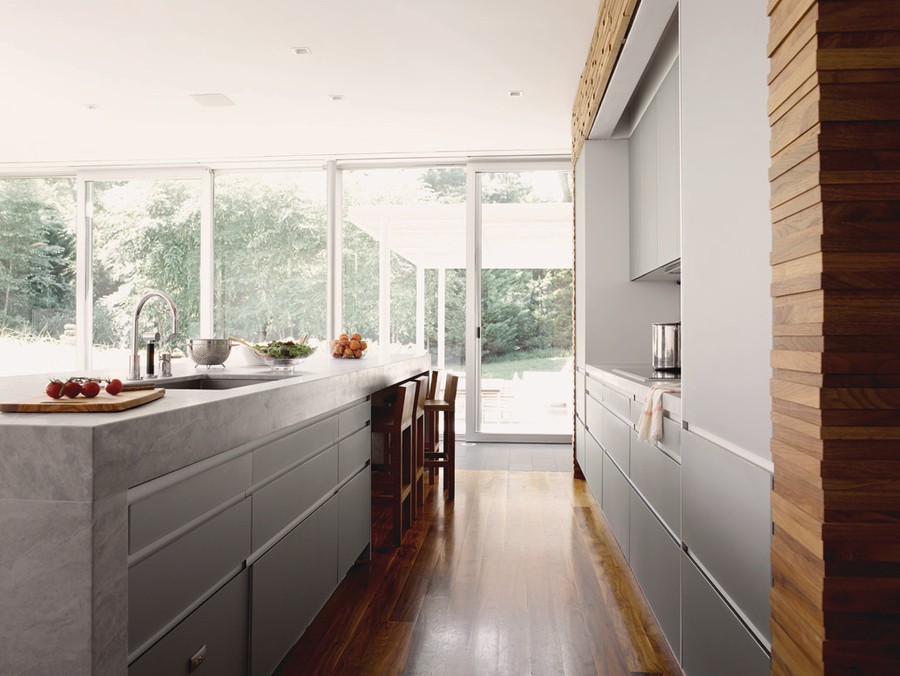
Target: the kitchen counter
(635, 380)
(64, 479)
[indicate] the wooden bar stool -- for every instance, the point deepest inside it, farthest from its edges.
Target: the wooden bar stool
(418, 465)
(392, 482)
(441, 453)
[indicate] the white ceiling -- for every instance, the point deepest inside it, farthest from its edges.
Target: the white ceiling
(419, 77)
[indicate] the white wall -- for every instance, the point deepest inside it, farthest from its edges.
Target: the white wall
(613, 314)
(726, 224)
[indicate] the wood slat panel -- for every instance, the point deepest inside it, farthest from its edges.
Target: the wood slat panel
(785, 17)
(613, 20)
(800, 69)
(803, 33)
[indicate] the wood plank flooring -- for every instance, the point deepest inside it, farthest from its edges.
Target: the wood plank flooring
(519, 575)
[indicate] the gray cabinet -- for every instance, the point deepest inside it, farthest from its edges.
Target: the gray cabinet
(655, 559)
(290, 583)
(215, 635)
(166, 583)
(727, 524)
(658, 477)
(668, 189)
(654, 190)
(277, 504)
(593, 466)
(354, 519)
(616, 434)
(616, 502)
(714, 641)
(580, 441)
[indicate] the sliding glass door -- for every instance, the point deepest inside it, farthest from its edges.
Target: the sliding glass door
(522, 304)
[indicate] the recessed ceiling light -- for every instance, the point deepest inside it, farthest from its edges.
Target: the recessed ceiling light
(301, 51)
(212, 100)
(336, 97)
(516, 93)
(92, 106)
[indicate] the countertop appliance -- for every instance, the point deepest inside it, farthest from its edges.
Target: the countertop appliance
(666, 346)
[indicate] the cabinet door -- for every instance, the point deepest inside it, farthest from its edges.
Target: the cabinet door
(593, 466)
(643, 197)
(354, 519)
(668, 219)
(216, 631)
(714, 640)
(580, 441)
(655, 559)
(290, 584)
(658, 477)
(615, 503)
(616, 439)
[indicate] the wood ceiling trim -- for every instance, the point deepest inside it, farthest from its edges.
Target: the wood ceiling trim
(613, 21)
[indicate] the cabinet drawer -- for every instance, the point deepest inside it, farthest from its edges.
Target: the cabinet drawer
(354, 452)
(281, 453)
(579, 444)
(727, 523)
(175, 504)
(671, 438)
(218, 627)
(291, 582)
(714, 640)
(617, 402)
(165, 583)
(658, 477)
(637, 410)
(655, 559)
(616, 439)
(280, 502)
(616, 502)
(579, 394)
(354, 519)
(593, 466)
(594, 420)
(354, 418)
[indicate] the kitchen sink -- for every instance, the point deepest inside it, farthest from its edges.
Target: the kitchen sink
(205, 382)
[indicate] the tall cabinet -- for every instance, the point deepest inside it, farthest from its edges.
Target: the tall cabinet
(703, 508)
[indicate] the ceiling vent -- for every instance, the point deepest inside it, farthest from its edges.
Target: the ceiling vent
(212, 100)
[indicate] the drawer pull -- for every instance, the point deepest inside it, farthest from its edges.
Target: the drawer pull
(197, 659)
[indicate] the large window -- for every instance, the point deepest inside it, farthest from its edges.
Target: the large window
(37, 275)
(146, 235)
(404, 259)
(270, 255)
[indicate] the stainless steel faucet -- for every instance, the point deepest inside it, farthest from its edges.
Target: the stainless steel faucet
(134, 368)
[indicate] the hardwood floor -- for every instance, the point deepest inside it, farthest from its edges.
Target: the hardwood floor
(519, 575)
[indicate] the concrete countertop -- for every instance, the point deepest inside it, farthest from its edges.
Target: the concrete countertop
(64, 479)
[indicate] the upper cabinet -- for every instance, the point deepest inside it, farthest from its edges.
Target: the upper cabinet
(654, 192)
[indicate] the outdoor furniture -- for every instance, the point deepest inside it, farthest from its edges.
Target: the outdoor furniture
(441, 452)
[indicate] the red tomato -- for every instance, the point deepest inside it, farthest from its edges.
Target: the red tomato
(55, 389)
(90, 389)
(114, 386)
(71, 389)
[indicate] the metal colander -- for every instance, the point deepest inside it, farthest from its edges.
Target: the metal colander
(209, 351)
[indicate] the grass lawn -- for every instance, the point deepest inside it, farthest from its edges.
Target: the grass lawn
(506, 368)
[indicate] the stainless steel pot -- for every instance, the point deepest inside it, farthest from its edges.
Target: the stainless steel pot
(209, 351)
(666, 346)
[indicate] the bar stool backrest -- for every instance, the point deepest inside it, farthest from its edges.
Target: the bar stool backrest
(450, 384)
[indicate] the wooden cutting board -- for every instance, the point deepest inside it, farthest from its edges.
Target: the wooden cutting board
(102, 403)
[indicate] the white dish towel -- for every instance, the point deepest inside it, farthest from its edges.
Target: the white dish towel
(650, 427)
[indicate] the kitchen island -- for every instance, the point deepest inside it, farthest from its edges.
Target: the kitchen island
(71, 485)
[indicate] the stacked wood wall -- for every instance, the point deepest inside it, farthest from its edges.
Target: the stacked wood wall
(834, 106)
(613, 21)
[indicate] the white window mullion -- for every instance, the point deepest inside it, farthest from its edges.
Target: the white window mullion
(334, 251)
(84, 305)
(473, 301)
(207, 255)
